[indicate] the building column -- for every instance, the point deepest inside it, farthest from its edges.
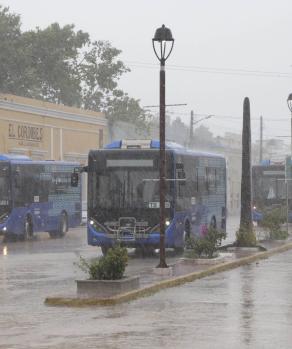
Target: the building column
(61, 144)
(52, 144)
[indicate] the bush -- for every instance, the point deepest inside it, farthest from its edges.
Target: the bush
(109, 267)
(206, 246)
(273, 221)
(279, 235)
(245, 238)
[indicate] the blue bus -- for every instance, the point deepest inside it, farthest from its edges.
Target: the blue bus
(123, 194)
(269, 190)
(37, 196)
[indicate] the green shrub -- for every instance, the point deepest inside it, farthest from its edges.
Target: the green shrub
(278, 235)
(206, 246)
(272, 221)
(109, 267)
(245, 238)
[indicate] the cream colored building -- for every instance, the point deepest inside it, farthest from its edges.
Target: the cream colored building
(45, 130)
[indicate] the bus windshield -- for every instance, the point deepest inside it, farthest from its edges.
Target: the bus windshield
(125, 188)
(269, 187)
(273, 188)
(125, 182)
(4, 188)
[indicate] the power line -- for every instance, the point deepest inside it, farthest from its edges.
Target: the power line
(231, 117)
(166, 105)
(213, 70)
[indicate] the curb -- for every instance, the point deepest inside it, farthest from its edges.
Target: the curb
(180, 280)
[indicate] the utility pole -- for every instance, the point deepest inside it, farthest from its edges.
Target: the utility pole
(192, 128)
(192, 123)
(261, 139)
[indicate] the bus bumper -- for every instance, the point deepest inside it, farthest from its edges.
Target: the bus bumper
(98, 238)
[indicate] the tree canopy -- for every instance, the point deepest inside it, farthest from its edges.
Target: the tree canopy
(61, 65)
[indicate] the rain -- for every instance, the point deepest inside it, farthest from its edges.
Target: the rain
(145, 149)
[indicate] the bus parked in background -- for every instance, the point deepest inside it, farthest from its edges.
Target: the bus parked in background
(37, 196)
(268, 189)
(123, 194)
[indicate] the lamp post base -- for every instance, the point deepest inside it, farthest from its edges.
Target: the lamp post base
(162, 264)
(163, 271)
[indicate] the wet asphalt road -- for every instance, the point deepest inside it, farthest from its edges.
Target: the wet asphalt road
(249, 307)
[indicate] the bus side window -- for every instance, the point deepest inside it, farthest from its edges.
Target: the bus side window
(18, 188)
(181, 179)
(45, 182)
(193, 187)
(31, 186)
(61, 181)
(17, 180)
(211, 179)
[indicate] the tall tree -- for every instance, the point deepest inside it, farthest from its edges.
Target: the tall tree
(52, 60)
(128, 109)
(61, 65)
(10, 34)
(203, 137)
(99, 71)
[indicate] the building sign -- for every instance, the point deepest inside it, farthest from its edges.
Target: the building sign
(25, 134)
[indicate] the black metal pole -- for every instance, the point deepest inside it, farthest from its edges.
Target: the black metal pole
(191, 129)
(261, 139)
(162, 262)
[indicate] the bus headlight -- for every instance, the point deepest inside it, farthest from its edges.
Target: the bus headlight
(96, 226)
(4, 229)
(3, 217)
(167, 223)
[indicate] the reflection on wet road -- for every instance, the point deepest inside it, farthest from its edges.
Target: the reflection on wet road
(249, 307)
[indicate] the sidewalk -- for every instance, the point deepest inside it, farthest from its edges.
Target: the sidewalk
(180, 271)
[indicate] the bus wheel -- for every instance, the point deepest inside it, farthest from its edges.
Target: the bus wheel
(28, 230)
(104, 250)
(144, 251)
(63, 225)
(53, 234)
(213, 223)
(149, 251)
(186, 236)
(179, 250)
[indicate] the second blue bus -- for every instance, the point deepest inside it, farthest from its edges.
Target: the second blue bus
(37, 196)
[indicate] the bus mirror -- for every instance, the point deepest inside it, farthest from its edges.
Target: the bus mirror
(74, 179)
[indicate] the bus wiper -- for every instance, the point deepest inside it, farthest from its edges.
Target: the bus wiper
(166, 179)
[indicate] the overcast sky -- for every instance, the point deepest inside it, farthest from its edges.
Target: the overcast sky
(224, 50)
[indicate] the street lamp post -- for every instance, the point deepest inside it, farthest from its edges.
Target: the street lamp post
(289, 103)
(162, 37)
